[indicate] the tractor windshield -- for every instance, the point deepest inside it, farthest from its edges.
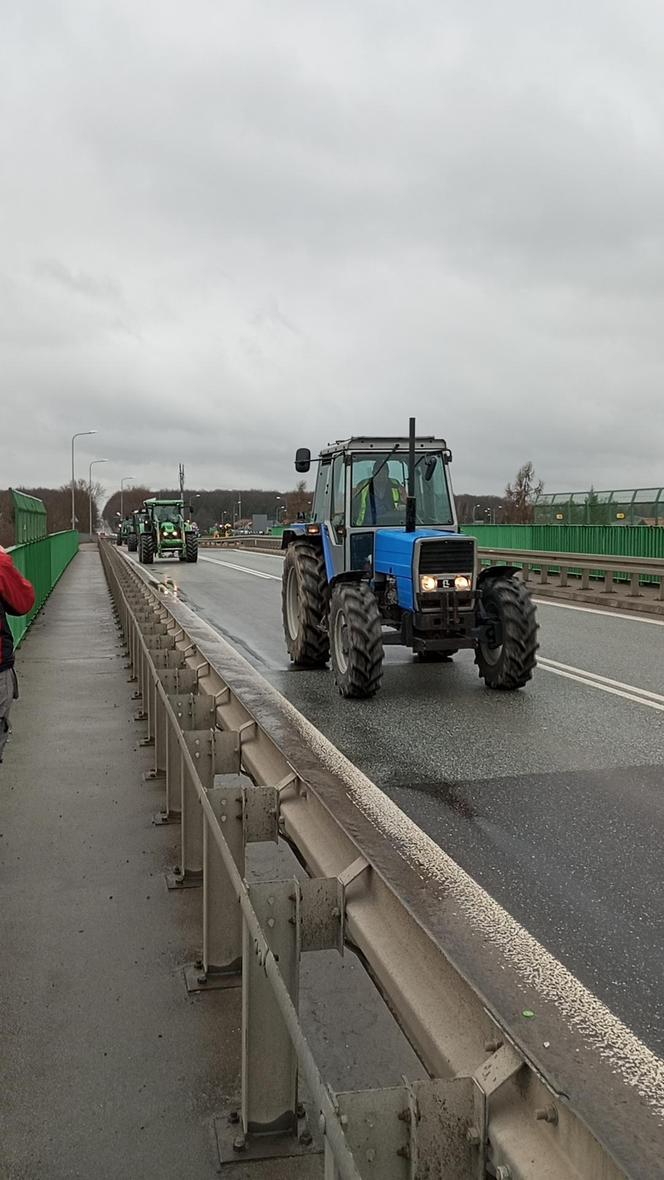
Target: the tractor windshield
(166, 514)
(380, 484)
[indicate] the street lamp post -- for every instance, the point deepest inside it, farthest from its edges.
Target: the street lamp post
(79, 434)
(90, 485)
(122, 484)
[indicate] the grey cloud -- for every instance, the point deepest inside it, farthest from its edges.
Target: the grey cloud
(230, 229)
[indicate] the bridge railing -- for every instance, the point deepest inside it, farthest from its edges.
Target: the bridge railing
(42, 562)
(572, 569)
(523, 1074)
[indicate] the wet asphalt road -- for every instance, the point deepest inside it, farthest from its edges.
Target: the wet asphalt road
(551, 798)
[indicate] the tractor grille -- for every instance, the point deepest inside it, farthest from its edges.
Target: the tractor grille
(456, 556)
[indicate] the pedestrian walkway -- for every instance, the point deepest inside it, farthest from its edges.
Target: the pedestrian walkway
(108, 1069)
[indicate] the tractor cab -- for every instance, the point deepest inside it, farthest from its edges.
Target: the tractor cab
(362, 487)
(382, 561)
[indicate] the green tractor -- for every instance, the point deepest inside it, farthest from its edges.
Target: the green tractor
(136, 525)
(124, 531)
(164, 532)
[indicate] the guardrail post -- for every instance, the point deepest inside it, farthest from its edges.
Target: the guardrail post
(221, 963)
(211, 752)
(269, 1061)
(189, 873)
(177, 685)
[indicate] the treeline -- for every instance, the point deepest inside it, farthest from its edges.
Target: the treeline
(57, 502)
(218, 506)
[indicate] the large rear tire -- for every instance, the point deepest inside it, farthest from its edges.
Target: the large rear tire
(356, 639)
(191, 547)
(146, 549)
(508, 665)
(304, 605)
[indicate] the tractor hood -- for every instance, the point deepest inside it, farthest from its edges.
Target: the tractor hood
(396, 551)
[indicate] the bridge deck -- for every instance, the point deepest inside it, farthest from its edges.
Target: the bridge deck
(108, 1068)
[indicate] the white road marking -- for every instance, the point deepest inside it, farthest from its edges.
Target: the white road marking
(243, 569)
(644, 692)
(589, 610)
(652, 700)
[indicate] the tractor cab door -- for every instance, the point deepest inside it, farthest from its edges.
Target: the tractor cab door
(333, 516)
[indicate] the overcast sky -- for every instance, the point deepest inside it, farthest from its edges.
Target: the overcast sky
(228, 229)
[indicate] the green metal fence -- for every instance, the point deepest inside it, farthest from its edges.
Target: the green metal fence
(42, 562)
(638, 541)
(29, 517)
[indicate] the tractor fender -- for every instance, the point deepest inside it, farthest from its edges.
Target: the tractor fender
(496, 571)
(349, 576)
(294, 534)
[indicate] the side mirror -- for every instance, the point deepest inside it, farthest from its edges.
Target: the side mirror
(430, 467)
(447, 456)
(302, 459)
(191, 507)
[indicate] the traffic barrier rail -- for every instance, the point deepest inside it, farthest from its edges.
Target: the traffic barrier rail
(42, 562)
(581, 566)
(529, 1076)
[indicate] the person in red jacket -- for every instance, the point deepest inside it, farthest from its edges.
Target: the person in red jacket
(17, 597)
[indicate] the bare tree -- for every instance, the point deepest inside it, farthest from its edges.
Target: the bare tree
(519, 496)
(298, 502)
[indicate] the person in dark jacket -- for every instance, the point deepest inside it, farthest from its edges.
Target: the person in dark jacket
(17, 597)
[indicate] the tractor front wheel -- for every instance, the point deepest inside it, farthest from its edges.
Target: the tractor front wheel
(506, 658)
(132, 543)
(356, 640)
(118, 539)
(191, 547)
(146, 549)
(304, 605)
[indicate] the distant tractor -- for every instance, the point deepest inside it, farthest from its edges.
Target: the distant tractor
(382, 561)
(164, 532)
(124, 531)
(136, 525)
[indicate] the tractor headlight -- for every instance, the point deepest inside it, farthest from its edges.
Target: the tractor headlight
(461, 582)
(427, 583)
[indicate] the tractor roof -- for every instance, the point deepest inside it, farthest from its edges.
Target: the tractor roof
(154, 500)
(370, 442)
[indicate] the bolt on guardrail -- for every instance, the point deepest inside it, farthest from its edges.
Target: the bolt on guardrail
(228, 784)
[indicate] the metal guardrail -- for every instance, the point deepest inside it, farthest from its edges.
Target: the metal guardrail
(569, 1093)
(580, 566)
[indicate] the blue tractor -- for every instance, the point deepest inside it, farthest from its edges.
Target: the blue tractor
(382, 561)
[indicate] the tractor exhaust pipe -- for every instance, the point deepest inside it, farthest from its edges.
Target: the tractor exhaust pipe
(410, 498)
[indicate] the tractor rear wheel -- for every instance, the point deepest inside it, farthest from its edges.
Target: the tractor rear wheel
(508, 664)
(191, 547)
(304, 605)
(356, 640)
(146, 549)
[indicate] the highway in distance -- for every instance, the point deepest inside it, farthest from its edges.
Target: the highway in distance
(552, 798)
